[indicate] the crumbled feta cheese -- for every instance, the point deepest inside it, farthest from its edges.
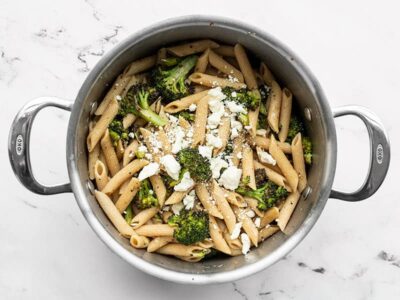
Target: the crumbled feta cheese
(131, 135)
(250, 213)
(257, 222)
(213, 141)
(189, 201)
(216, 164)
(142, 148)
(234, 94)
(185, 184)
(236, 124)
(248, 127)
(230, 178)
(217, 93)
(265, 157)
(118, 97)
(148, 156)
(261, 132)
(192, 107)
(149, 170)
(235, 107)
(245, 243)
(171, 166)
(205, 151)
(239, 155)
(236, 231)
(234, 133)
(214, 120)
(177, 207)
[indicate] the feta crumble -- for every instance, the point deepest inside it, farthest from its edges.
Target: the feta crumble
(213, 141)
(265, 157)
(245, 243)
(205, 151)
(235, 107)
(250, 213)
(192, 107)
(189, 201)
(176, 208)
(149, 170)
(172, 167)
(185, 184)
(230, 178)
(216, 164)
(257, 222)
(236, 231)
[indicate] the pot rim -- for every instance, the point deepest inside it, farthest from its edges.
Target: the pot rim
(192, 278)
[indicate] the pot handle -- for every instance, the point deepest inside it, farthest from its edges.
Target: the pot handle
(18, 145)
(379, 153)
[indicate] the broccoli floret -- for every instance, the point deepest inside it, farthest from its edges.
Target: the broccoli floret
(261, 177)
(171, 82)
(244, 119)
(190, 226)
(197, 165)
(295, 126)
(248, 98)
(307, 149)
(186, 115)
(170, 61)
(129, 214)
(267, 195)
(117, 131)
(137, 101)
(145, 198)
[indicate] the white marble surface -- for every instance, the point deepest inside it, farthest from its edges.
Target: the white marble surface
(48, 251)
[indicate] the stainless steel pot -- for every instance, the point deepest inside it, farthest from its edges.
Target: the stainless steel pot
(288, 69)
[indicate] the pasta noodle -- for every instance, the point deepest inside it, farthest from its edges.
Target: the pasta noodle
(202, 62)
(287, 209)
(274, 106)
(192, 48)
(286, 111)
(245, 67)
(298, 161)
(222, 65)
(213, 81)
(141, 65)
(110, 154)
(127, 196)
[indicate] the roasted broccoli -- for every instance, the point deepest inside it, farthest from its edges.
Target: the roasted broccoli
(261, 177)
(197, 165)
(170, 61)
(117, 131)
(128, 214)
(145, 198)
(186, 115)
(248, 98)
(190, 226)
(296, 126)
(137, 101)
(244, 119)
(267, 195)
(307, 149)
(171, 82)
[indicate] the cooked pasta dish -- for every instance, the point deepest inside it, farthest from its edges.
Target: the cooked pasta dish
(198, 151)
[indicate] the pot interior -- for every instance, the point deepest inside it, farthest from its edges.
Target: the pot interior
(290, 73)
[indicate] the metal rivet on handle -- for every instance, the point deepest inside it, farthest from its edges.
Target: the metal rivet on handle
(307, 114)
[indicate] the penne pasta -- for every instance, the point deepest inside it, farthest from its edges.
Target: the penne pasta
(274, 109)
(216, 235)
(266, 232)
(159, 188)
(184, 103)
(199, 128)
(143, 217)
(248, 167)
(139, 242)
(110, 154)
(127, 196)
(237, 150)
(206, 200)
(223, 66)
(284, 164)
(270, 215)
(158, 242)
(129, 152)
(275, 177)
(225, 50)
(113, 214)
(298, 161)
(141, 65)
(287, 209)
(92, 159)
(224, 131)
(286, 112)
(192, 47)
(202, 62)
(223, 207)
(266, 74)
(214, 81)
(116, 90)
(155, 230)
(100, 174)
(101, 126)
(182, 250)
(264, 143)
(176, 197)
(245, 67)
(122, 175)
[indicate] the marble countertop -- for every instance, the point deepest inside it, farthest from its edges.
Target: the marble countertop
(48, 251)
